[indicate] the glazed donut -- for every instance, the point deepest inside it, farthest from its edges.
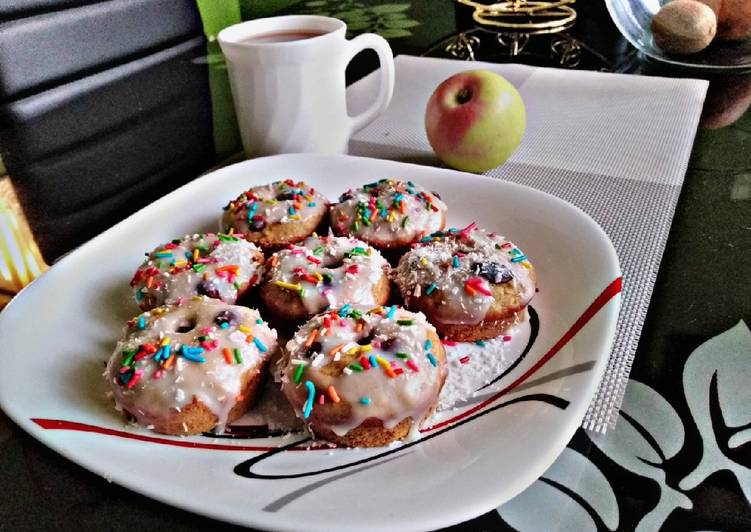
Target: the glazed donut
(218, 266)
(275, 215)
(388, 214)
(190, 368)
(364, 376)
(324, 272)
(471, 284)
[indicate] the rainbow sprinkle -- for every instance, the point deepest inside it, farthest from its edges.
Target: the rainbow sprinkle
(259, 344)
(289, 286)
(298, 373)
(332, 394)
(308, 407)
(191, 353)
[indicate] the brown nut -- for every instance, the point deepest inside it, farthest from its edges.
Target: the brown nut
(684, 27)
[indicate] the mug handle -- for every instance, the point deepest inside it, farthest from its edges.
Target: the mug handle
(386, 89)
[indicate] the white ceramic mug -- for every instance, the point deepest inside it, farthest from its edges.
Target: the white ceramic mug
(290, 96)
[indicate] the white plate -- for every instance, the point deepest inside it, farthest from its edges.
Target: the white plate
(58, 332)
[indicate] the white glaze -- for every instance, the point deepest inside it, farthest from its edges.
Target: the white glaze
(331, 270)
(161, 391)
(408, 394)
(171, 273)
(432, 263)
(392, 222)
(260, 207)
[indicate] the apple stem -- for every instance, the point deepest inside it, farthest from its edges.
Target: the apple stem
(463, 96)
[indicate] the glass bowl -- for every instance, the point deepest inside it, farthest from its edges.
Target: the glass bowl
(633, 19)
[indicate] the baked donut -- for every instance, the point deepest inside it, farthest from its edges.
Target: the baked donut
(218, 266)
(324, 272)
(471, 284)
(275, 215)
(388, 214)
(190, 368)
(364, 376)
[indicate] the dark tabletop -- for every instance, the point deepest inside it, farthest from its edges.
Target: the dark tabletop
(703, 288)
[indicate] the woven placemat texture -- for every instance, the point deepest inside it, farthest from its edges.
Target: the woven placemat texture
(616, 146)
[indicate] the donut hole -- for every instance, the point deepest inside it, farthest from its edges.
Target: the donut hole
(332, 263)
(186, 324)
(368, 339)
(208, 289)
(149, 300)
(388, 343)
(314, 348)
(285, 196)
(226, 318)
(494, 272)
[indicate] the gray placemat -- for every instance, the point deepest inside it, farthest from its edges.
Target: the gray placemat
(616, 146)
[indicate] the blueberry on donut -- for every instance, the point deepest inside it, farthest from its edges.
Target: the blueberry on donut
(217, 266)
(388, 214)
(323, 272)
(471, 284)
(364, 376)
(276, 215)
(190, 368)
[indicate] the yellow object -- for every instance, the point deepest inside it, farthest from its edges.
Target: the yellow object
(528, 16)
(20, 260)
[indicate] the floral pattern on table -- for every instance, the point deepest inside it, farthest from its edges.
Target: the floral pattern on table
(391, 21)
(651, 456)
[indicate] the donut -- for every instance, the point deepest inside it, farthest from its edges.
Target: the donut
(364, 376)
(190, 368)
(324, 272)
(388, 214)
(471, 284)
(276, 215)
(218, 266)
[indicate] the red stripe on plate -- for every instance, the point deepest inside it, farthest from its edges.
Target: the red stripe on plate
(611, 291)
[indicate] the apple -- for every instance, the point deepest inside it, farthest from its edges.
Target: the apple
(728, 98)
(733, 18)
(475, 120)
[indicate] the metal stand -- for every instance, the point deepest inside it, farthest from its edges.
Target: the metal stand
(522, 16)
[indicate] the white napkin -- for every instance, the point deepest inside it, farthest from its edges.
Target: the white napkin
(617, 146)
